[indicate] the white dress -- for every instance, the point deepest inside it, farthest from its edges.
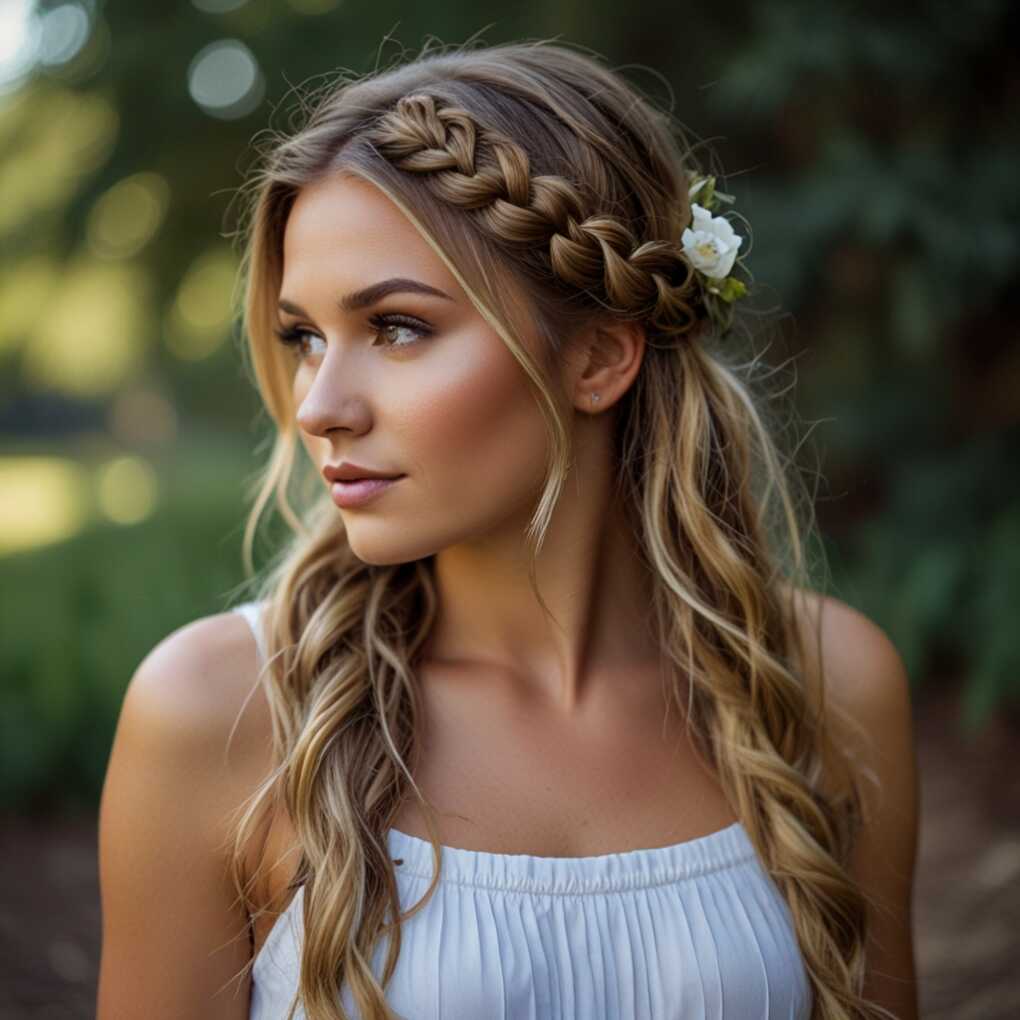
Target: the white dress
(693, 931)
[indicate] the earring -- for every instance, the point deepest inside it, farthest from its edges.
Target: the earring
(594, 398)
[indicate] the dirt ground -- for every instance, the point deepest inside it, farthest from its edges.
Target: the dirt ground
(967, 892)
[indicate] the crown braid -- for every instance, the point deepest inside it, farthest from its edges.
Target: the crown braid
(482, 170)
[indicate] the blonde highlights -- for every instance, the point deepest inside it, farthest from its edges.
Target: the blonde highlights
(557, 195)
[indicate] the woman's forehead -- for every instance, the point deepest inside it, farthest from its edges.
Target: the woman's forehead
(346, 229)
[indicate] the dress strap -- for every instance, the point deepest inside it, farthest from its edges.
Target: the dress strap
(251, 611)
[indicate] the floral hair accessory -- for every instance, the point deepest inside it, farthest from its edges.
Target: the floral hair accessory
(710, 245)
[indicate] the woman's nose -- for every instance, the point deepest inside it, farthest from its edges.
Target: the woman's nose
(330, 404)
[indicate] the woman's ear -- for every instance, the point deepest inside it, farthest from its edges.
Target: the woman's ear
(601, 362)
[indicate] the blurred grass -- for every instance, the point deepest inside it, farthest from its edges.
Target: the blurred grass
(79, 616)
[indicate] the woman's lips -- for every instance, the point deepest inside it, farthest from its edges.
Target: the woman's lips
(360, 491)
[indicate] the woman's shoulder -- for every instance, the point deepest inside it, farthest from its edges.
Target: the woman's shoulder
(198, 686)
(179, 770)
(853, 665)
(866, 681)
(854, 655)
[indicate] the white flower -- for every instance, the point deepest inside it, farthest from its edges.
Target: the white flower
(712, 244)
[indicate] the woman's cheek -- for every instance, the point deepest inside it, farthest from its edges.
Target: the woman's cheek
(478, 438)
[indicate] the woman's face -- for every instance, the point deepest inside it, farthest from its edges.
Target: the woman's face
(409, 383)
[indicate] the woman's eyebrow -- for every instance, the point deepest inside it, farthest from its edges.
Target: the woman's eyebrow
(373, 293)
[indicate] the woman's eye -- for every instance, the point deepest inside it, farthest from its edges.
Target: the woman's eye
(390, 325)
(396, 331)
(298, 340)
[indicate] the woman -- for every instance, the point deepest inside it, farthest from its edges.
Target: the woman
(553, 686)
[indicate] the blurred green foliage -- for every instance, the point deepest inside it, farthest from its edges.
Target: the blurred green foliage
(872, 148)
(79, 616)
(888, 222)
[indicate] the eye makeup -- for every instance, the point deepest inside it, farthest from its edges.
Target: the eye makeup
(295, 337)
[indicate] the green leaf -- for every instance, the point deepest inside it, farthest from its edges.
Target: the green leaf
(706, 197)
(732, 289)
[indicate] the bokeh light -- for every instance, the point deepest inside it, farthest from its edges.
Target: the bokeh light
(50, 39)
(63, 31)
(225, 79)
(62, 136)
(24, 289)
(92, 334)
(127, 216)
(42, 500)
(199, 319)
(126, 489)
(19, 40)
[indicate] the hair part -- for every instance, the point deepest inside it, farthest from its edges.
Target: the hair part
(556, 193)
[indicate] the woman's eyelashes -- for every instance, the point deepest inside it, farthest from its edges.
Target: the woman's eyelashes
(389, 326)
(293, 338)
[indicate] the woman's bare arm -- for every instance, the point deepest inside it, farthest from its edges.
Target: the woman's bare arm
(173, 939)
(866, 676)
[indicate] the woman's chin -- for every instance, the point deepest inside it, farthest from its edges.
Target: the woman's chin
(384, 544)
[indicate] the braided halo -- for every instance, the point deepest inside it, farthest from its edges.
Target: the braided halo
(484, 171)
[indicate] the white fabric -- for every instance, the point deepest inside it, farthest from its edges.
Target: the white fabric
(692, 931)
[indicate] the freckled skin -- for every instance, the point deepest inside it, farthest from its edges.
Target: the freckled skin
(454, 411)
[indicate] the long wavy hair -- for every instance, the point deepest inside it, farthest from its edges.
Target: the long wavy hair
(556, 192)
